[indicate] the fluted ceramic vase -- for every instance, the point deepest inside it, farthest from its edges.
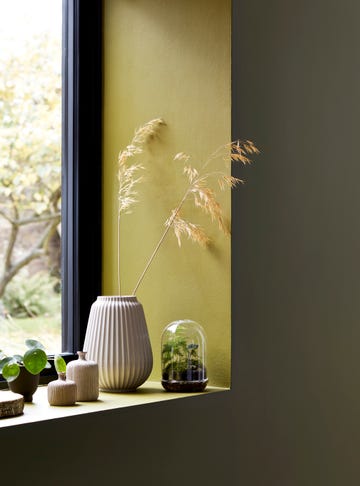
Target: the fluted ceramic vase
(117, 339)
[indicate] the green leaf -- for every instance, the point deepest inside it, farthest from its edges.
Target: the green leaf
(60, 364)
(11, 371)
(32, 343)
(6, 360)
(35, 360)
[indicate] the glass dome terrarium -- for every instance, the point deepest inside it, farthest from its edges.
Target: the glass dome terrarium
(183, 360)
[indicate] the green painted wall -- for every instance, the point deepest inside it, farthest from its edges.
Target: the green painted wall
(173, 61)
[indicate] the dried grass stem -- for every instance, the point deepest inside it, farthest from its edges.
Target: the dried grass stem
(127, 175)
(160, 242)
(198, 188)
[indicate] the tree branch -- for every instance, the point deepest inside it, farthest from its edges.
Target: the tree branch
(6, 216)
(55, 197)
(6, 278)
(37, 219)
(12, 239)
(38, 250)
(10, 246)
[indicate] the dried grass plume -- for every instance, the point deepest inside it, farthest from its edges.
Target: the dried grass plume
(203, 196)
(199, 187)
(128, 169)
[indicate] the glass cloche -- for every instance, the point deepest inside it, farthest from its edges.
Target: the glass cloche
(183, 357)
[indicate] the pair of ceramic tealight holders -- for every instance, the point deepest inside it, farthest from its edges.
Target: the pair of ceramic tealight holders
(80, 383)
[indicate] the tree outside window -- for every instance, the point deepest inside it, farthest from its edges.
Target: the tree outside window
(30, 173)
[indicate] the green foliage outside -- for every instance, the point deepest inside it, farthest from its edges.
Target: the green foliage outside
(46, 327)
(30, 168)
(28, 296)
(30, 192)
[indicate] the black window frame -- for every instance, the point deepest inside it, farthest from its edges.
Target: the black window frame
(81, 167)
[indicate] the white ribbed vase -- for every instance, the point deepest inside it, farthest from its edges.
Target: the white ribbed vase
(117, 340)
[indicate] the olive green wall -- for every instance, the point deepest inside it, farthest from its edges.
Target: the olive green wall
(292, 416)
(170, 60)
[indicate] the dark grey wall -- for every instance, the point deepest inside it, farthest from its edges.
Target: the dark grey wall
(297, 276)
(292, 418)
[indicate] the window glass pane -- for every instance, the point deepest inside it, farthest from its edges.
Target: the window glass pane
(30, 173)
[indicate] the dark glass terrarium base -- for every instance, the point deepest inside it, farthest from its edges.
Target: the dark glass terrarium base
(184, 386)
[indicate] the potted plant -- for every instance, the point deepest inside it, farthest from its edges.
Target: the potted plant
(183, 357)
(23, 372)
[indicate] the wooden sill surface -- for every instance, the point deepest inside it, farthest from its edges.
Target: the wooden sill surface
(40, 410)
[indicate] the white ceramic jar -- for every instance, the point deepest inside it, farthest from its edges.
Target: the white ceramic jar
(85, 373)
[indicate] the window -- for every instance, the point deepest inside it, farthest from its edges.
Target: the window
(81, 166)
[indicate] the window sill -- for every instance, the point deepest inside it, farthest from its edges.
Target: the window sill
(151, 392)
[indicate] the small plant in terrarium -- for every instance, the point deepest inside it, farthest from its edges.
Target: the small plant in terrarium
(183, 357)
